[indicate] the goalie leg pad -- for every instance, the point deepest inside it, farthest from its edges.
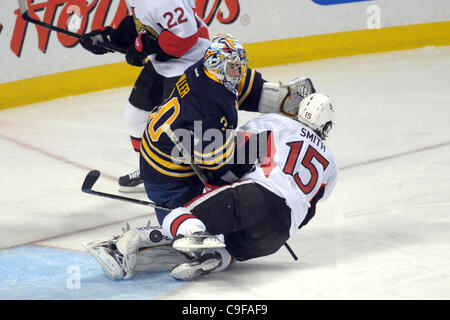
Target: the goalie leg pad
(118, 257)
(110, 262)
(134, 239)
(160, 258)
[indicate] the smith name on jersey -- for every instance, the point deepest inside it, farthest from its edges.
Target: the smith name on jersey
(299, 167)
(198, 99)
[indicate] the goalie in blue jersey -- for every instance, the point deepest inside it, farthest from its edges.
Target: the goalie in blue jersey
(206, 99)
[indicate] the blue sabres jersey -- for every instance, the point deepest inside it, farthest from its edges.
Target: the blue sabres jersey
(203, 114)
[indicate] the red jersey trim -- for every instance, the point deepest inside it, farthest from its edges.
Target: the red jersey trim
(177, 222)
(203, 33)
(175, 45)
(136, 143)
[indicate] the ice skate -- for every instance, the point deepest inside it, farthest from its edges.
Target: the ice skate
(196, 241)
(131, 182)
(202, 265)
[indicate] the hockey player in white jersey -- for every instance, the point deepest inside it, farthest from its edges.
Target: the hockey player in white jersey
(256, 216)
(173, 37)
(251, 218)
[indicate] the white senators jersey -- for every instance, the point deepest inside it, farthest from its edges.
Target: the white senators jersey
(299, 166)
(180, 32)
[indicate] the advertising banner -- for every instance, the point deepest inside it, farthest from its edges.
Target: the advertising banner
(29, 51)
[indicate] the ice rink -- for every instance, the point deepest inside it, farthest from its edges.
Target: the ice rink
(383, 234)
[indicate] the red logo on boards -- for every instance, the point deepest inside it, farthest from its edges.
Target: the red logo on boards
(98, 10)
(214, 12)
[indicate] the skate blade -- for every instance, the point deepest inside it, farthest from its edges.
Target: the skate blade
(137, 189)
(188, 244)
(187, 271)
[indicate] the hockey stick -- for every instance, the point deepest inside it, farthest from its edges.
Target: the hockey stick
(186, 154)
(199, 171)
(92, 178)
(24, 12)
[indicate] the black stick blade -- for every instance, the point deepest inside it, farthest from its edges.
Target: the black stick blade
(90, 180)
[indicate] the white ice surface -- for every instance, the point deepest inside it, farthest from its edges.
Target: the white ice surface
(383, 234)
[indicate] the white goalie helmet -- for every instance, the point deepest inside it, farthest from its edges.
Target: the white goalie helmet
(317, 112)
(226, 58)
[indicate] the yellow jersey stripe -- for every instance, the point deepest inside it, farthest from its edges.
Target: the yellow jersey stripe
(152, 146)
(164, 172)
(213, 153)
(227, 160)
(218, 159)
(164, 163)
(249, 87)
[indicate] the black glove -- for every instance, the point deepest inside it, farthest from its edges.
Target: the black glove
(93, 41)
(251, 149)
(143, 46)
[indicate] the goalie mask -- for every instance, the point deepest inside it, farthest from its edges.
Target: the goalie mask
(226, 59)
(317, 112)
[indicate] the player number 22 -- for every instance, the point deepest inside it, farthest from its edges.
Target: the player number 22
(180, 17)
(310, 154)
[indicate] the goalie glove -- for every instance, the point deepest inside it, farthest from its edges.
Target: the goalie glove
(285, 98)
